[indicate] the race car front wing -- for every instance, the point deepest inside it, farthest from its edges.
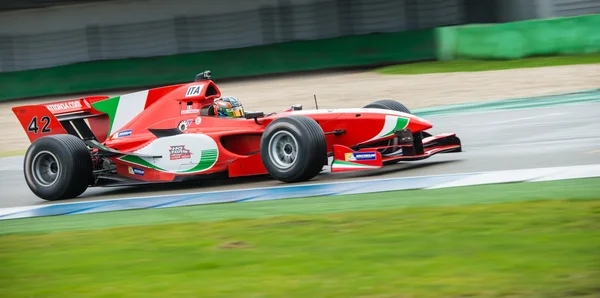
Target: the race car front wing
(414, 147)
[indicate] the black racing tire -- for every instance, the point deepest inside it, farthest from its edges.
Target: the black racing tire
(58, 167)
(293, 149)
(388, 104)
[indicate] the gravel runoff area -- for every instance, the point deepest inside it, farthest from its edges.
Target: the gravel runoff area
(358, 88)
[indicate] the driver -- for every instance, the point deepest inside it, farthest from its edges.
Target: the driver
(228, 106)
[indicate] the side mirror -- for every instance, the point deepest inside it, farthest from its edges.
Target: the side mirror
(296, 107)
(250, 115)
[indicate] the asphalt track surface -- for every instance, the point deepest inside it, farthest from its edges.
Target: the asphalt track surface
(561, 135)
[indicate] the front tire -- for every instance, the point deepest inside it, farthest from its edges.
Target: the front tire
(293, 149)
(388, 104)
(58, 167)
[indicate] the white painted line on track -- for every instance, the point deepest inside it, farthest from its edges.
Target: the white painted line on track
(573, 172)
(526, 175)
(11, 210)
(527, 118)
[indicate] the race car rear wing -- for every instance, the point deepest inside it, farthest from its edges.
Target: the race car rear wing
(63, 117)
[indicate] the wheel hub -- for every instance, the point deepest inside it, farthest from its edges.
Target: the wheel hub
(45, 168)
(287, 148)
(54, 168)
(283, 150)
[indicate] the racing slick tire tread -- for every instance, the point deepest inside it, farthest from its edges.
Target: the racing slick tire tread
(312, 148)
(388, 104)
(74, 160)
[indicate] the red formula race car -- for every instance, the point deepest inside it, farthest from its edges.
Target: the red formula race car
(189, 131)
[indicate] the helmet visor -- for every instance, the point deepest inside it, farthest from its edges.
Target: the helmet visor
(237, 112)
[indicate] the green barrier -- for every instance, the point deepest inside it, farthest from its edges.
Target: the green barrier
(542, 37)
(270, 59)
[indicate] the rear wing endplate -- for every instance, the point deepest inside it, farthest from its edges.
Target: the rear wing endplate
(61, 117)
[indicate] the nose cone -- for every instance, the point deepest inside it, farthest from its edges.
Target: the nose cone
(417, 124)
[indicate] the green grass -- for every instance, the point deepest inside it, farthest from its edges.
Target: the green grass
(528, 249)
(584, 189)
(512, 240)
(483, 65)
(12, 153)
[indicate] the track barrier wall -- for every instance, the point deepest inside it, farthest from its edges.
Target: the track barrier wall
(558, 36)
(347, 51)
(516, 40)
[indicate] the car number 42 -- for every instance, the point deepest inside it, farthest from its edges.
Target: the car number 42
(35, 128)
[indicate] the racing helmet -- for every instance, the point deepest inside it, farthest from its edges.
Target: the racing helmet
(228, 106)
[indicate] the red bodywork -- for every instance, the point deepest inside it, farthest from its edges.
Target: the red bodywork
(348, 131)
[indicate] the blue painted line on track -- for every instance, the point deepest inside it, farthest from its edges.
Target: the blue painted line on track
(233, 196)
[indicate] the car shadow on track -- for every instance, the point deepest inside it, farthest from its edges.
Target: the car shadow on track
(182, 186)
(224, 183)
(162, 189)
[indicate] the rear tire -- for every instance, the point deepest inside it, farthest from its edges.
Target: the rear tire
(293, 149)
(58, 167)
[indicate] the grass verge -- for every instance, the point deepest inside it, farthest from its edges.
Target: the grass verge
(12, 153)
(521, 249)
(483, 65)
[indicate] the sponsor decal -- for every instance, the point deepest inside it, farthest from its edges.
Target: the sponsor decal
(198, 120)
(179, 152)
(124, 133)
(358, 156)
(76, 104)
(188, 111)
(136, 171)
(194, 90)
(200, 153)
(183, 125)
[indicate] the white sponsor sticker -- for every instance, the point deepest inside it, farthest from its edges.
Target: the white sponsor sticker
(64, 106)
(190, 111)
(124, 133)
(194, 90)
(181, 153)
(198, 120)
(135, 171)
